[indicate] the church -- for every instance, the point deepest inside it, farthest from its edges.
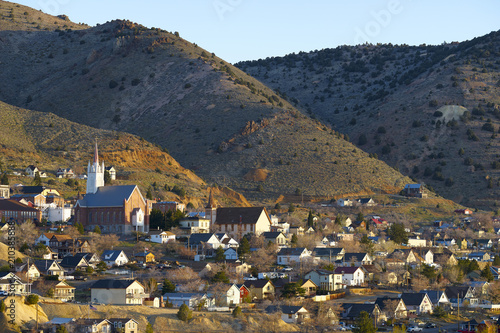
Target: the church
(119, 209)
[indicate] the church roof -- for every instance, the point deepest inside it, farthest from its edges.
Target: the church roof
(107, 196)
(236, 215)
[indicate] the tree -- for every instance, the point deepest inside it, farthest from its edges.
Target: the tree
(244, 247)
(97, 230)
(293, 289)
(107, 177)
(31, 299)
(439, 312)
(360, 217)
(168, 287)
(429, 272)
(310, 219)
(219, 254)
(220, 276)
(149, 194)
(362, 140)
(80, 228)
(486, 273)
(294, 239)
(398, 234)
(37, 181)
(2, 307)
(184, 313)
(5, 179)
(237, 312)
(364, 324)
(61, 329)
(291, 208)
(149, 328)
(496, 261)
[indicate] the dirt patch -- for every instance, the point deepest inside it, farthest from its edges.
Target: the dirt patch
(451, 112)
(4, 253)
(256, 175)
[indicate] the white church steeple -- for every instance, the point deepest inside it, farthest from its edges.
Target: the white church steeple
(95, 174)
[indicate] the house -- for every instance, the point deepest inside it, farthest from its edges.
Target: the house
(417, 303)
(414, 190)
(344, 202)
(417, 242)
(351, 276)
(112, 172)
(393, 307)
(114, 258)
(144, 257)
(165, 206)
(357, 259)
(124, 325)
(483, 243)
(424, 255)
(402, 257)
(445, 259)
(15, 210)
(204, 243)
(437, 297)
(117, 292)
(36, 199)
(309, 287)
(12, 284)
(289, 313)
(74, 263)
(161, 237)
(479, 256)
(65, 173)
(245, 295)
(231, 254)
(38, 190)
(50, 254)
(28, 271)
(62, 290)
(480, 287)
(91, 325)
(299, 231)
(275, 237)
(65, 245)
(287, 256)
(230, 296)
(260, 289)
(31, 171)
(92, 258)
(463, 295)
(239, 221)
(367, 202)
(353, 310)
(329, 254)
(446, 242)
(226, 241)
(194, 224)
(50, 267)
(495, 270)
(325, 280)
(190, 299)
(465, 211)
(4, 192)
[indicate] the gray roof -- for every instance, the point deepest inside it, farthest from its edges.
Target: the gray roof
(354, 309)
(413, 299)
(291, 251)
(357, 256)
(113, 255)
(112, 284)
(286, 309)
(107, 196)
(197, 238)
(413, 186)
(326, 251)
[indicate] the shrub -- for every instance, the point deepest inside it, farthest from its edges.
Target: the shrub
(113, 84)
(468, 161)
(381, 130)
(362, 140)
(488, 127)
(237, 312)
(187, 86)
(386, 149)
(135, 82)
(184, 313)
(31, 299)
(433, 103)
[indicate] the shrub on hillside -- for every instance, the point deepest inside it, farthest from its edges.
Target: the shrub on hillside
(184, 313)
(31, 299)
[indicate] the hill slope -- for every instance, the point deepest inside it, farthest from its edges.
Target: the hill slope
(407, 105)
(213, 118)
(48, 141)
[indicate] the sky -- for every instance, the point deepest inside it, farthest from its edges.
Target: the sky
(237, 30)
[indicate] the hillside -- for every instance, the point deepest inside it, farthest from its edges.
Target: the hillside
(48, 141)
(432, 112)
(214, 119)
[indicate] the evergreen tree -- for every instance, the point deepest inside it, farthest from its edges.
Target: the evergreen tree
(310, 219)
(237, 312)
(5, 179)
(97, 230)
(37, 181)
(360, 217)
(149, 194)
(61, 329)
(293, 289)
(244, 247)
(294, 239)
(496, 261)
(184, 313)
(220, 276)
(486, 273)
(340, 219)
(398, 234)
(364, 324)
(107, 177)
(80, 228)
(168, 287)
(291, 208)
(219, 254)
(149, 328)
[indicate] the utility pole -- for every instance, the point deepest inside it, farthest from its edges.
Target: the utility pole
(458, 314)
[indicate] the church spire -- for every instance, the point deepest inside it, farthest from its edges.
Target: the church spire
(210, 203)
(96, 154)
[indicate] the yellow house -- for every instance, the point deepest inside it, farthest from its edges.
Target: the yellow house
(260, 289)
(145, 257)
(310, 287)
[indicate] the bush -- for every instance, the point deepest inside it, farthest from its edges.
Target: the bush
(237, 312)
(488, 127)
(31, 299)
(184, 313)
(135, 82)
(438, 114)
(113, 84)
(381, 130)
(433, 103)
(362, 140)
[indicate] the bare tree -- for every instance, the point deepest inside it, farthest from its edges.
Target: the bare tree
(494, 292)
(26, 232)
(219, 291)
(390, 307)
(99, 243)
(261, 259)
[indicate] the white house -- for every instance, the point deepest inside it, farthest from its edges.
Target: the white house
(239, 221)
(229, 298)
(114, 257)
(351, 276)
(31, 171)
(287, 256)
(44, 238)
(161, 237)
(195, 224)
(190, 299)
(344, 202)
(11, 283)
(289, 314)
(118, 292)
(417, 242)
(325, 280)
(417, 303)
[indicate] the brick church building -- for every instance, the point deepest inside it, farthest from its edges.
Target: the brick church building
(118, 209)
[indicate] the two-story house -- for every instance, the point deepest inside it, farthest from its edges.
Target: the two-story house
(118, 292)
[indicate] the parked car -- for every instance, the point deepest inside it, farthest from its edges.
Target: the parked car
(430, 325)
(287, 269)
(414, 329)
(3, 293)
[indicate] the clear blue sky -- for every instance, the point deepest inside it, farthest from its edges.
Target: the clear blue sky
(251, 29)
